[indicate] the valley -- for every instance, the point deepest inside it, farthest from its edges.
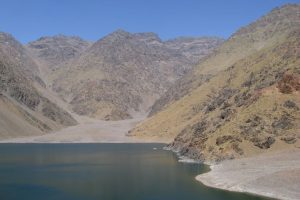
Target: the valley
(91, 131)
(233, 103)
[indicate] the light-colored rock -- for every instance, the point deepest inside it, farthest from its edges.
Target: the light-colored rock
(275, 175)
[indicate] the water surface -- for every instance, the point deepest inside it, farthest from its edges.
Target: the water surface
(101, 172)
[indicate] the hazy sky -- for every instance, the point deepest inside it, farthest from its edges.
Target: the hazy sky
(28, 20)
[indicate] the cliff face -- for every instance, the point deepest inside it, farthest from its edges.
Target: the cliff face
(121, 75)
(241, 100)
(24, 109)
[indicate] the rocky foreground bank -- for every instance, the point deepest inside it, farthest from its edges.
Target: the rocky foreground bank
(275, 175)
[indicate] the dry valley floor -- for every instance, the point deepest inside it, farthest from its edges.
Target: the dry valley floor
(90, 131)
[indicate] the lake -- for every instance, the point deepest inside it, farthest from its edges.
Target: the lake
(101, 172)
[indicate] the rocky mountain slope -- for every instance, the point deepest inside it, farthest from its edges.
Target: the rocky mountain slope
(52, 52)
(241, 100)
(194, 48)
(117, 77)
(241, 44)
(122, 74)
(24, 109)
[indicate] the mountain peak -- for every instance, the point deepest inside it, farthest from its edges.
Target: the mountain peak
(122, 34)
(6, 38)
(278, 20)
(119, 33)
(148, 36)
(54, 50)
(5, 35)
(60, 37)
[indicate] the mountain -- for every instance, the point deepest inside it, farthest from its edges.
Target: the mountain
(194, 48)
(121, 75)
(25, 110)
(246, 41)
(117, 77)
(52, 52)
(241, 100)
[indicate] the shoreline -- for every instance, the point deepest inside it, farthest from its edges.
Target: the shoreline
(241, 175)
(95, 142)
(261, 175)
(90, 131)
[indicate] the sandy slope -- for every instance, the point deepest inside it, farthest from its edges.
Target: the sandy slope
(274, 175)
(89, 131)
(12, 124)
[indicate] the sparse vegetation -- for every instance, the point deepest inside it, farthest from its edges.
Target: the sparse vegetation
(249, 103)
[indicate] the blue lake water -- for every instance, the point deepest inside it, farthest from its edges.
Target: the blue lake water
(101, 172)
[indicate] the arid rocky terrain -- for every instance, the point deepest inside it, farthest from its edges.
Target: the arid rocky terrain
(210, 99)
(241, 100)
(25, 110)
(56, 81)
(214, 99)
(121, 75)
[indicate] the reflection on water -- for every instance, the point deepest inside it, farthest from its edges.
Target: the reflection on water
(100, 171)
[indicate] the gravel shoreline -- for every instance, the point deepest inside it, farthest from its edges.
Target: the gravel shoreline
(92, 131)
(274, 174)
